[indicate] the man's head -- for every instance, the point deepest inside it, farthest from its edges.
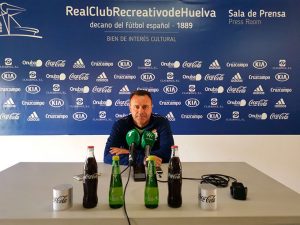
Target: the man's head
(140, 107)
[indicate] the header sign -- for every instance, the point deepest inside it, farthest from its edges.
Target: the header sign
(221, 67)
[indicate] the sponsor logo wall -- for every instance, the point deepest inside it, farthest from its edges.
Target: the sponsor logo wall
(212, 68)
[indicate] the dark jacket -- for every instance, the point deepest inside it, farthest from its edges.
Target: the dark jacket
(162, 145)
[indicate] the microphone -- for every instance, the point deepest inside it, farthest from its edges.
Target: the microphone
(148, 139)
(132, 139)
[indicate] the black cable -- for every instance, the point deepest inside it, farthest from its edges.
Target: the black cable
(162, 181)
(125, 193)
(125, 169)
(219, 180)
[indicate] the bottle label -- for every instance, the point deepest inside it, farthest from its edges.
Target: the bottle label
(90, 176)
(176, 176)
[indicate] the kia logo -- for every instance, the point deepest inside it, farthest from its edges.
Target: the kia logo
(192, 102)
(80, 116)
(213, 116)
(56, 102)
(281, 77)
(170, 89)
(125, 64)
(32, 89)
(259, 64)
(9, 76)
(148, 77)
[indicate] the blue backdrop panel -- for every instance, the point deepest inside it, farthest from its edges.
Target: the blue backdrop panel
(217, 67)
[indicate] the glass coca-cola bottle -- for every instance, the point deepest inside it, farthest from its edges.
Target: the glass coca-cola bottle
(90, 180)
(174, 179)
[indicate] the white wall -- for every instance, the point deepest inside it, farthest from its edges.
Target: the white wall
(278, 156)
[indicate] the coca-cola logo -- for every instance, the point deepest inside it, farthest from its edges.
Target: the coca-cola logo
(12, 116)
(196, 64)
(214, 77)
(176, 176)
(208, 199)
(90, 176)
(262, 102)
(61, 199)
(83, 76)
(58, 63)
(237, 90)
(279, 116)
(105, 89)
(122, 102)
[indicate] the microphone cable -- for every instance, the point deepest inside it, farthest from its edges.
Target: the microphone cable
(124, 170)
(125, 210)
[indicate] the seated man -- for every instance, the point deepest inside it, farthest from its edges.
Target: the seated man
(142, 119)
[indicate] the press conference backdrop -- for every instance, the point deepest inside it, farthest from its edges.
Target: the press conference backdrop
(213, 67)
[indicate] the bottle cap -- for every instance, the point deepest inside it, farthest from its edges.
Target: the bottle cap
(151, 157)
(116, 158)
(91, 146)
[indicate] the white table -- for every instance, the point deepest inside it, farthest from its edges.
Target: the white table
(26, 198)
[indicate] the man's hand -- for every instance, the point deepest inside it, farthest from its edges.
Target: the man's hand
(118, 151)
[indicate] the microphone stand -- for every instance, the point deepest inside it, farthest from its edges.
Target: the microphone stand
(147, 151)
(131, 158)
(139, 172)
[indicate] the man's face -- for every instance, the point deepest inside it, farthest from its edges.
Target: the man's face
(141, 109)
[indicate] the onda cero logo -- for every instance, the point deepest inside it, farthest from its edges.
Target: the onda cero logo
(124, 64)
(80, 116)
